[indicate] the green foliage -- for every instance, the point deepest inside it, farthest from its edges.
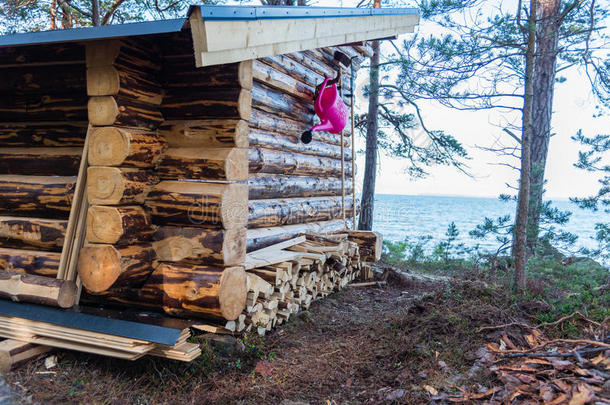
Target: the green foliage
(406, 251)
(594, 159)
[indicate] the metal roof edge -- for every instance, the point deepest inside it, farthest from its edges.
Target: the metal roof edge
(94, 33)
(280, 12)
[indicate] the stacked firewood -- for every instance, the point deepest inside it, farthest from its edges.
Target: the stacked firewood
(293, 278)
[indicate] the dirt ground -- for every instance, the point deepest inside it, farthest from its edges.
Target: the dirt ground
(380, 344)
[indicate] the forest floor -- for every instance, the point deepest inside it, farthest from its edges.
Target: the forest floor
(408, 341)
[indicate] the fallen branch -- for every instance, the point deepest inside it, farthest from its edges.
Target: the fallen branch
(568, 317)
(551, 342)
(523, 325)
(574, 353)
(368, 284)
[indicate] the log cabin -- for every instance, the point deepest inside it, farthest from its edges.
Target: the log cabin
(146, 160)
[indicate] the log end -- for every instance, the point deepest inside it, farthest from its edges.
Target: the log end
(66, 297)
(232, 293)
(244, 104)
(237, 164)
(107, 146)
(234, 209)
(105, 185)
(102, 110)
(104, 224)
(98, 267)
(234, 247)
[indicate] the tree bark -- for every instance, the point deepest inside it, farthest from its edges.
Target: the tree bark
(37, 289)
(264, 185)
(547, 38)
(29, 262)
(113, 146)
(262, 160)
(208, 133)
(46, 196)
(30, 134)
(289, 211)
(32, 233)
(520, 237)
(262, 237)
(205, 163)
(370, 167)
(118, 225)
(40, 161)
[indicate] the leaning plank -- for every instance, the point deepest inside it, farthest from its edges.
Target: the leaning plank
(118, 185)
(200, 291)
(103, 266)
(199, 133)
(118, 225)
(29, 262)
(202, 163)
(267, 258)
(199, 203)
(15, 353)
(37, 233)
(226, 247)
(281, 245)
(113, 146)
(47, 196)
(40, 161)
(37, 289)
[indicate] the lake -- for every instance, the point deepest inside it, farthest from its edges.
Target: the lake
(400, 216)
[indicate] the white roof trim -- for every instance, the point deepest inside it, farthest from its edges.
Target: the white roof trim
(228, 41)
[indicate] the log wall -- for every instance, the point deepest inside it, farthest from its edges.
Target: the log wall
(43, 122)
(295, 187)
(187, 168)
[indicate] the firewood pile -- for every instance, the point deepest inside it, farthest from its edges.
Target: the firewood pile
(549, 371)
(286, 278)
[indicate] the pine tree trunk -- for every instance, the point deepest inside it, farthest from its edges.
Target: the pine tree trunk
(542, 110)
(370, 166)
(520, 237)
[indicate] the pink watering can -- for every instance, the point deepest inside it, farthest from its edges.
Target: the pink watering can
(331, 110)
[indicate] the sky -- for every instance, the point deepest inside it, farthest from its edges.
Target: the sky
(574, 107)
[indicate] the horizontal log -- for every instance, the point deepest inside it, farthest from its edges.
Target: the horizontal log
(139, 56)
(292, 143)
(263, 160)
(101, 267)
(29, 262)
(122, 111)
(110, 81)
(182, 73)
(199, 203)
(281, 104)
(369, 243)
(37, 289)
(32, 233)
(43, 79)
(210, 133)
(43, 107)
(47, 196)
(200, 291)
(204, 163)
(262, 237)
(113, 146)
(60, 134)
(40, 161)
(118, 185)
(15, 353)
(230, 103)
(282, 81)
(226, 247)
(264, 185)
(268, 121)
(288, 211)
(294, 69)
(118, 225)
(52, 54)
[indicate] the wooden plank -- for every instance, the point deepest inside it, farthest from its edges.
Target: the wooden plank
(14, 353)
(282, 245)
(255, 259)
